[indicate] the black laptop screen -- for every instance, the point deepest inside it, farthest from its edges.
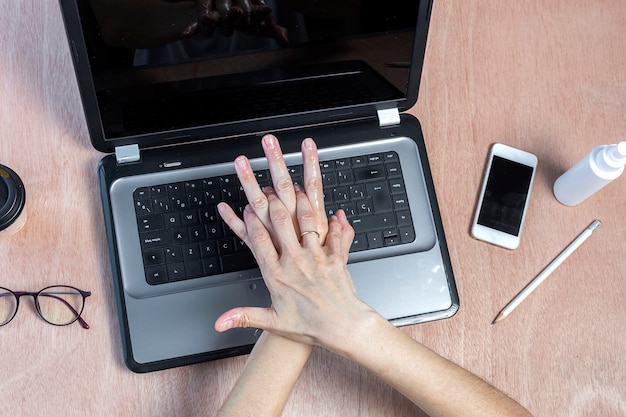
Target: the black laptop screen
(171, 66)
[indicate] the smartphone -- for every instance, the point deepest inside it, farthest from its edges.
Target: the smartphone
(504, 196)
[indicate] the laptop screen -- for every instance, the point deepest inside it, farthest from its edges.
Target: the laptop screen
(160, 71)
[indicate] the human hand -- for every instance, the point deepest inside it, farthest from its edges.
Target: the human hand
(313, 297)
(252, 17)
(283, 188)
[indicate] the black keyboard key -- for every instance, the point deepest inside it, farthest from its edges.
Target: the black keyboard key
(404, 218)
(211, 266)
(376, 172)
(141, 193)
(180, 236)
(197, 233)
(374, 159)
(171, 220)
(161, 204)
(358, 161)
(373, 222)
(379, 192)
(189, 218)
(407, 234)
(226, 246)
(191, 252)
(195, 199)
(178, 202)
(359, 242)
(158, 190)
(143, 206)
(364, 207)
(176, 272)
(238, 261)
(374, 240)
(208, 249)
(393, 170)
(392, 241)
(194, 269)
(154, 239)
(176, 188)
(214, 230)
(400, 202)
(153, 257)
(156, 275)
(151, 222)
(173, 254)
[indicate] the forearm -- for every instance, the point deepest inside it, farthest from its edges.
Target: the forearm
(267, 379)
(436, 385)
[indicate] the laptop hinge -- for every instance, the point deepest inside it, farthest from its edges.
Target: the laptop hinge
(127, 154)
(388, 117)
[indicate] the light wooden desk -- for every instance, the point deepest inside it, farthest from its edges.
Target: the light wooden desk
(549, 77)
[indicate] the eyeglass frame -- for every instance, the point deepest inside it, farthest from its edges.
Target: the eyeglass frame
(18, 294)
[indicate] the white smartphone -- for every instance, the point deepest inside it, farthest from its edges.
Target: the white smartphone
(504, 196)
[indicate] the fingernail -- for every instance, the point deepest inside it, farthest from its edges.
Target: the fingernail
(225, 325)
(309, 144)
(221, 207)
(297, 187)
(240, 161)
(269, 141)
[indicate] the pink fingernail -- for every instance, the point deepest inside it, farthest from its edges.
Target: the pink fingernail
(269, 141)
(309, 144)
(240, 161)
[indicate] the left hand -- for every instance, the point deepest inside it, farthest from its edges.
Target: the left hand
(283, 188)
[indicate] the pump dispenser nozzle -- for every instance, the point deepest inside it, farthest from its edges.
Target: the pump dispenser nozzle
(615, 155)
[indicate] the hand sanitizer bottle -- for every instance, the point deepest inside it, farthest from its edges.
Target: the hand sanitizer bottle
(594, 171)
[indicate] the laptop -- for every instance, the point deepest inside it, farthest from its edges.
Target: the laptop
(172, 99)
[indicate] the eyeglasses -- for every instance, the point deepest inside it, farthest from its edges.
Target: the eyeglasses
(59, 305)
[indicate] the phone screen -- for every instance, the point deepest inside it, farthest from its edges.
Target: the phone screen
(505, 196)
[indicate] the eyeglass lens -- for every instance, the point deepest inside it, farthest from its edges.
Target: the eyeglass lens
(8, 306)
(58, 305)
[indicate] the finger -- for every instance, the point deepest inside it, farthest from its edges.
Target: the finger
(282, 225)
(208, 16)
(281, 179)
(242, 317)
(233, 221)
(307, 220)
(347, 233)
(254, 194)
(260, 241)
(339, 238)
(313, 185)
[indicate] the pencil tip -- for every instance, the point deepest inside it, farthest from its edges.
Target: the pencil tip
(498, 318)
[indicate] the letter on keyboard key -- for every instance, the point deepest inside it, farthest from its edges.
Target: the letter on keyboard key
(154, 239)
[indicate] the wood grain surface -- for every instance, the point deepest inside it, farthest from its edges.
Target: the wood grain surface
(545, 76)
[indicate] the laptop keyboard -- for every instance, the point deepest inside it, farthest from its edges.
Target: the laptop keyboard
(183, 237)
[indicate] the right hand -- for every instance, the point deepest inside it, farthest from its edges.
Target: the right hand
(313, 297)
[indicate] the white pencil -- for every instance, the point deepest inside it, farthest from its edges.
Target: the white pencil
(547, 271)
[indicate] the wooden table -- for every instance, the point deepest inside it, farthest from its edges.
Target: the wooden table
(545, 76)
